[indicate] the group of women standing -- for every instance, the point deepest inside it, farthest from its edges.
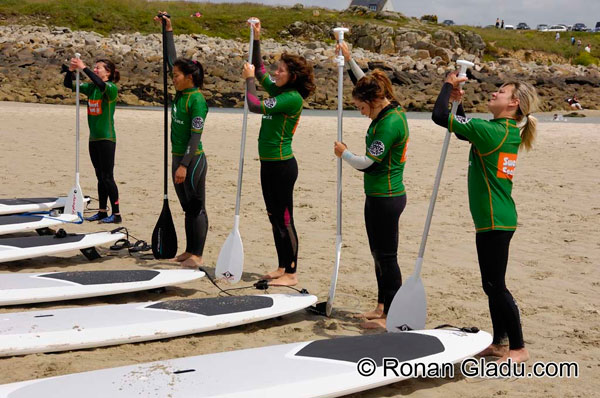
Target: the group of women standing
(492, 161)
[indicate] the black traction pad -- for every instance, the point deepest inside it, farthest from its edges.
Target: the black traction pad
(26, 201)
(37, 241)
(10, 220)
(216, 305)
(103, 277)
(403, 346)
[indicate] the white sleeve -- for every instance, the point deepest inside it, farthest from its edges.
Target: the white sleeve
(358, 162)
(358, 73)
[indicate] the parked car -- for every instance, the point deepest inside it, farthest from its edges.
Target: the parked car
(509, 27)
(579, 27)
(557, 28)
(597, 28)
(523, 26)
(542, 27)
(448, 22)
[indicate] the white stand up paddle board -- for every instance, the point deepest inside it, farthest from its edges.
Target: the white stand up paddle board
(72, 328)
(27, 288)
(26, 205)
(11, 224)
(323, 368)
(12, 249)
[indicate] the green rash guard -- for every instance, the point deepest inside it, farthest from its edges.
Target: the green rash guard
(281, 114)
(101, 110)
(387, 140)
(492, 162)
(187, 117)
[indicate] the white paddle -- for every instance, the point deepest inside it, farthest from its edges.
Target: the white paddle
(326, 308)
(230, 263)
(409, 307)
(74, 203)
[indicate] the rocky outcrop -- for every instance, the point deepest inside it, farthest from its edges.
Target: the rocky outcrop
(415, 61)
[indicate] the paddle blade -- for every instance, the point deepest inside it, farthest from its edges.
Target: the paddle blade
(230, 263)
(409, 307)
(334, 276)
(75, 202)
(164, 236)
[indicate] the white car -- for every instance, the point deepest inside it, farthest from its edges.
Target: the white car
(509, 27)
(542, 28)
(557, 28)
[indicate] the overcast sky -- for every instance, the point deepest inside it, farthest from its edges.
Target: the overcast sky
(478, 12)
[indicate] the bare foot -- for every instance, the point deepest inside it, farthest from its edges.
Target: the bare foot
(285, 280)
(517, 356)
(375, 314)
(494, 350)
(279, 272)
(374, 324)
(183, 256)
(192, 261)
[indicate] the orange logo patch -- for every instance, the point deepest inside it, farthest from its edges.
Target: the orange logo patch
(404, 151)
(95, 107)
(507, 162)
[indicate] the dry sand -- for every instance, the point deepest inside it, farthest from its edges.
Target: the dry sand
(553, 270)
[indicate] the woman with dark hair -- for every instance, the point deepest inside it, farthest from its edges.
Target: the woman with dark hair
(383, 167)
(102, 97)
(293, 81)
(189, 164)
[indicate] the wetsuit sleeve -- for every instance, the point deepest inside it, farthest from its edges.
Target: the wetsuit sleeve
(441, 112)
(354, 71)
(361, 163)
(253, 100)
(197, 110)
(171, 51)
(263, 77)
(95, 79)
(68, 82)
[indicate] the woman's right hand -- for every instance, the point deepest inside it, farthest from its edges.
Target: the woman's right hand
(248, 71)
(339, 148)
(75, 64)
(162, 15)
(345, 51)
(256, 28)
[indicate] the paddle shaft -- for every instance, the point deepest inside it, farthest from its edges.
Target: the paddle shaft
(165, 108)
(238, 195)
(438, 177)
(78, 56)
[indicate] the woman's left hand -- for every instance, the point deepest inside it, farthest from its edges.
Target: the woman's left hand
(248, 71)
(339, 148)
(76, 63)
(180, 174)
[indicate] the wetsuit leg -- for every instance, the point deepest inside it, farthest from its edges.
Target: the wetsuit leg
(381, 221)
(492, 252)
(191, 194)
(107, 151)
(96, 157)
(277, 182)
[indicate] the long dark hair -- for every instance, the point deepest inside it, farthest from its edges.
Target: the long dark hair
(374, 86)
(113, 73)
(189, 67)
(302, 76)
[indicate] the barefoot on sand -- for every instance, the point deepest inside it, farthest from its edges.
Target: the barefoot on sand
(494, 350)
(183, 256)
(279, 272)
(284, 280)
(517, 356)
(378, 323)
(375, 314)
(192, 262)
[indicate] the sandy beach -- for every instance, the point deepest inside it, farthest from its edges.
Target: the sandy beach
(553, 270)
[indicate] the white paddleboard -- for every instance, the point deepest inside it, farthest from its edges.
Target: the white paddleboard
(12, 249)
(73, 328)
(323, 368)
(26, 205)
(27, 288)
(10, 224)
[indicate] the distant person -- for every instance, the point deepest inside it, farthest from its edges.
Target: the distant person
(557, 37)
(574, 103)
(497, 23)
(578, 42)
(502, 24)
(588, 48)
(572, 40)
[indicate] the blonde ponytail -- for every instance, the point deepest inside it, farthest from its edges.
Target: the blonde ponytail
(528, 103)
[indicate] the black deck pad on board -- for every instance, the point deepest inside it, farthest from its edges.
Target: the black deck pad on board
(403, 346)
(10, 220)
(103, 277)
(217, 305)
(26, 201)
(37, 241)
